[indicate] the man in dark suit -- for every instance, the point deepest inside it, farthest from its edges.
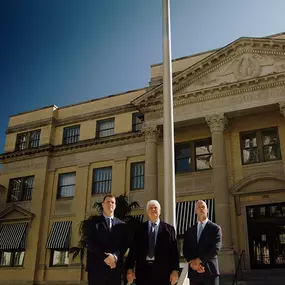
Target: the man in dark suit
(154, 253)
(202, 244)
(107, 242)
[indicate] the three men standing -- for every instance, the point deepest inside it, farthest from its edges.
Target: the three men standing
(154, 253)
(202, 244)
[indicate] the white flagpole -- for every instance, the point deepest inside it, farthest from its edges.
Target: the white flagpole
(168, 128)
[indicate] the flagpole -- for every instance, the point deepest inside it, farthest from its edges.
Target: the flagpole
(168, 129)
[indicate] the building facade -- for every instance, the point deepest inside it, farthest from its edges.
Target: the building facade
(229, 120)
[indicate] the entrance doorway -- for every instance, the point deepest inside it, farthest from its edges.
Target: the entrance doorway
(266, 235)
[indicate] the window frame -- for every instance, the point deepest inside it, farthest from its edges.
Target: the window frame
(192, 156)
(28, 141)
(135, 124)
(133, 164)
(98, 130)
(12, 260)
(58, 196)
(65, 137)
(101, 181)
(260, 145)
(52, 252)
(10, 190)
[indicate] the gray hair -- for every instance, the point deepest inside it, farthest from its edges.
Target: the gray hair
(200, 201)
(153, 202)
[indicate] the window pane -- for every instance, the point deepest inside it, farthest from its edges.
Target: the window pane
(15, 192)
(19, 258)
(271, 152)
(66, 185)
(6, 258)
(183, 165)
(71, 135)
(203, 147)
(182, 152)
(250, 155)
(182, 158)
(137, 175)
(22, 140)
(204, 162)
(106, 128)
(138, 120)
(60, 258)
(28, 187)
(35, 139)
(269, 137)
(249, 140)
(102, 180)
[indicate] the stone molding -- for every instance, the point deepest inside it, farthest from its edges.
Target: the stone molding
(217, 122)
(151, 132)
(282, 108)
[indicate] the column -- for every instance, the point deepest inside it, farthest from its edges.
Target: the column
(281, 130)
(151, 135)
(217, 124)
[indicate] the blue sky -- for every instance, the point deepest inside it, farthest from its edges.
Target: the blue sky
(67, 51)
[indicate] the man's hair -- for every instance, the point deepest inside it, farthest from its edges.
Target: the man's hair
(153, 202)
(108, 196)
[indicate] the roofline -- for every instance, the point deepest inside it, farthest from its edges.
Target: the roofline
(275, 35)
(38, 109)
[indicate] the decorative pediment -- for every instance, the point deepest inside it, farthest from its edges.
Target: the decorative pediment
(15, 213)
(244, 63)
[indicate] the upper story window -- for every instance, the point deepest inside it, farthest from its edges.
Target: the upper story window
(260, 146)
(102, 180)
(137, 175)
(66, 185)
(20, 189)
(71, 135)
(193, 156)
(138, 120)
(28, 140)
(105, 128)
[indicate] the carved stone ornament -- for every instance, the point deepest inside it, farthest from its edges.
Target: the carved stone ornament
(151, 131)
(282, 108)
(217, 122)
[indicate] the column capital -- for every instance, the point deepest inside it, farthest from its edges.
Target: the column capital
(151, 132)
(217, 122)
(282, 108)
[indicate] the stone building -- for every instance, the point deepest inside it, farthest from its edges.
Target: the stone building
(229, 105)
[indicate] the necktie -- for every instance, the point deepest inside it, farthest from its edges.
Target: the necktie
(109, 223)
(200, 229)
(151, 241)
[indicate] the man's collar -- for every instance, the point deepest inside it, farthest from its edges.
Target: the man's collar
(157, 222)
(108, 217)
(204, 222)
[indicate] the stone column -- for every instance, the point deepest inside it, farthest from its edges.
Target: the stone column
(217, 124)
(151, 135)
(281, 130)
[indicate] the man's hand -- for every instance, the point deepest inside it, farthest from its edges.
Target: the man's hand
(130, 275)
(173, 277)
(196, 265)
(111, 260)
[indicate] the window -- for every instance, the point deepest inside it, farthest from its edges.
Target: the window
(105, 128)
(12, 258)
(260, 146)
(138, 120)
(137, 175)
(193, 156)
(20, 189)
(71, 135)
(28, 140)
(66, 185)
(59, 258)
(102, 180)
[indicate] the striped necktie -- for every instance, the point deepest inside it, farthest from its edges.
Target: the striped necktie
(200, 230)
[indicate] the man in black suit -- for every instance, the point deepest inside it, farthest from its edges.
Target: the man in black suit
(154, 253)
(107, 242)
(202, 244)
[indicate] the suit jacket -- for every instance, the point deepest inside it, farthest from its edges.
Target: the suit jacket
(99, 239)
(166, 253)
(206, 249)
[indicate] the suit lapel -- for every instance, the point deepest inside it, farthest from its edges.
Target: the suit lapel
(203, 232)
(103, 221)
(195, 233)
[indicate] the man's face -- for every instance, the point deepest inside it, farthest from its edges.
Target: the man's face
(153, 212)
(109, 206)
(201, 210)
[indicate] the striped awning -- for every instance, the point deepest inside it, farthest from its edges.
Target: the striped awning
(139, 218)
(13, 236)
(59, 237)
(186, 217)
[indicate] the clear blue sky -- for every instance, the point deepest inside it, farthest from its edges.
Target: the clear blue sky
(66, 51)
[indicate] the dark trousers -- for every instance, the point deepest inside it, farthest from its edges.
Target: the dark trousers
(152, 277)
(208, 281)
(110, 277)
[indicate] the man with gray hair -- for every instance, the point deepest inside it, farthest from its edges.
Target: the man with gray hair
(202, 243)
(154, 253)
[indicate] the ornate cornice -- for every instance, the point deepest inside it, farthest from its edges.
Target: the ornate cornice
(151, 132)
(282, 108)
(217, 122)
(71, 120)
(50, 150)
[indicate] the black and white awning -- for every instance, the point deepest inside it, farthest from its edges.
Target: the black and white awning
(59, 237)
(186, 217)
(139, 218)
(13, 236)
